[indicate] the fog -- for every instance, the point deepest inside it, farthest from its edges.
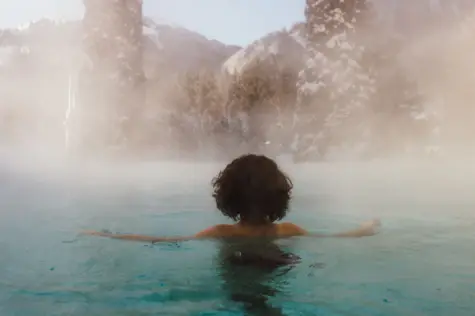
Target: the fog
(72, 159)
(385, 188)
(441, 59)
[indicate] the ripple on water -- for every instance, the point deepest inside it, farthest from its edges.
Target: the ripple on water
(421, 263)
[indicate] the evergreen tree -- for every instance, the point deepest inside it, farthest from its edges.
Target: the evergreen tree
(114, 81)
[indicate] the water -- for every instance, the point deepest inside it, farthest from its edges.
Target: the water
(420, 264)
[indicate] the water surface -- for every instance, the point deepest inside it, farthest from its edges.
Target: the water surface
(422, 262)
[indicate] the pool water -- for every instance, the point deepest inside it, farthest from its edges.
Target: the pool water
(422, 262)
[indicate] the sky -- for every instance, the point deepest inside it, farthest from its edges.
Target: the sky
(236, 22)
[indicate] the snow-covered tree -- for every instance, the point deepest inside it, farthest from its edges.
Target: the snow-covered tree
(112, 85)
(334, 89)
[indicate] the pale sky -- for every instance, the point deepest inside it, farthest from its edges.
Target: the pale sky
(229, 21)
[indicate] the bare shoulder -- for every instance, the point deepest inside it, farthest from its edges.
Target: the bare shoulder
(290, 229)
(221, 230)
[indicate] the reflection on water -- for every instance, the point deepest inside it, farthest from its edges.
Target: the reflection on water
(253, 271)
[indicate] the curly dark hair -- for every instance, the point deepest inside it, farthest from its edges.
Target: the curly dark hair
(252, 189)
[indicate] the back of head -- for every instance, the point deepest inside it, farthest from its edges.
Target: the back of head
(252, 189)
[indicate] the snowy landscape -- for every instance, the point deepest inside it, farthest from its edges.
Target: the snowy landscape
(361, 82)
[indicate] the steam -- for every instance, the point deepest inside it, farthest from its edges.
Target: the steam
(442, 62)
(38, 104)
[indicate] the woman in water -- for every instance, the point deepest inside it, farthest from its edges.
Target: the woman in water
(255, 193)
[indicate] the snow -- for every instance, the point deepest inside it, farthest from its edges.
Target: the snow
(343, 77)
(272, 44)
(153, 34)
(155, 21)
(261, 48)
(388, 11)
(24, 27)
(151, 29)
(236, 62)
(148, 31)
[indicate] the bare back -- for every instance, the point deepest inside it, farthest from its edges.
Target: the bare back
(240, 230)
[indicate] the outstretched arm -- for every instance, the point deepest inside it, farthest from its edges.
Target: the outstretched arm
(207, 233)
(366, 229)
(134, 237)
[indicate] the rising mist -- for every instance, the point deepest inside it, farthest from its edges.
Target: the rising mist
(206, 113)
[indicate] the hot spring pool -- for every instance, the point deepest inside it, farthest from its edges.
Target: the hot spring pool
(422, 262)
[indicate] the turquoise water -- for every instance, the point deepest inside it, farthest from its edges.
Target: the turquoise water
(422, 262)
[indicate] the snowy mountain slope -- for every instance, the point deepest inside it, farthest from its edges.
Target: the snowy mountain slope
(286, 45)
(168, 47)
(403, 16)
(171, 47)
